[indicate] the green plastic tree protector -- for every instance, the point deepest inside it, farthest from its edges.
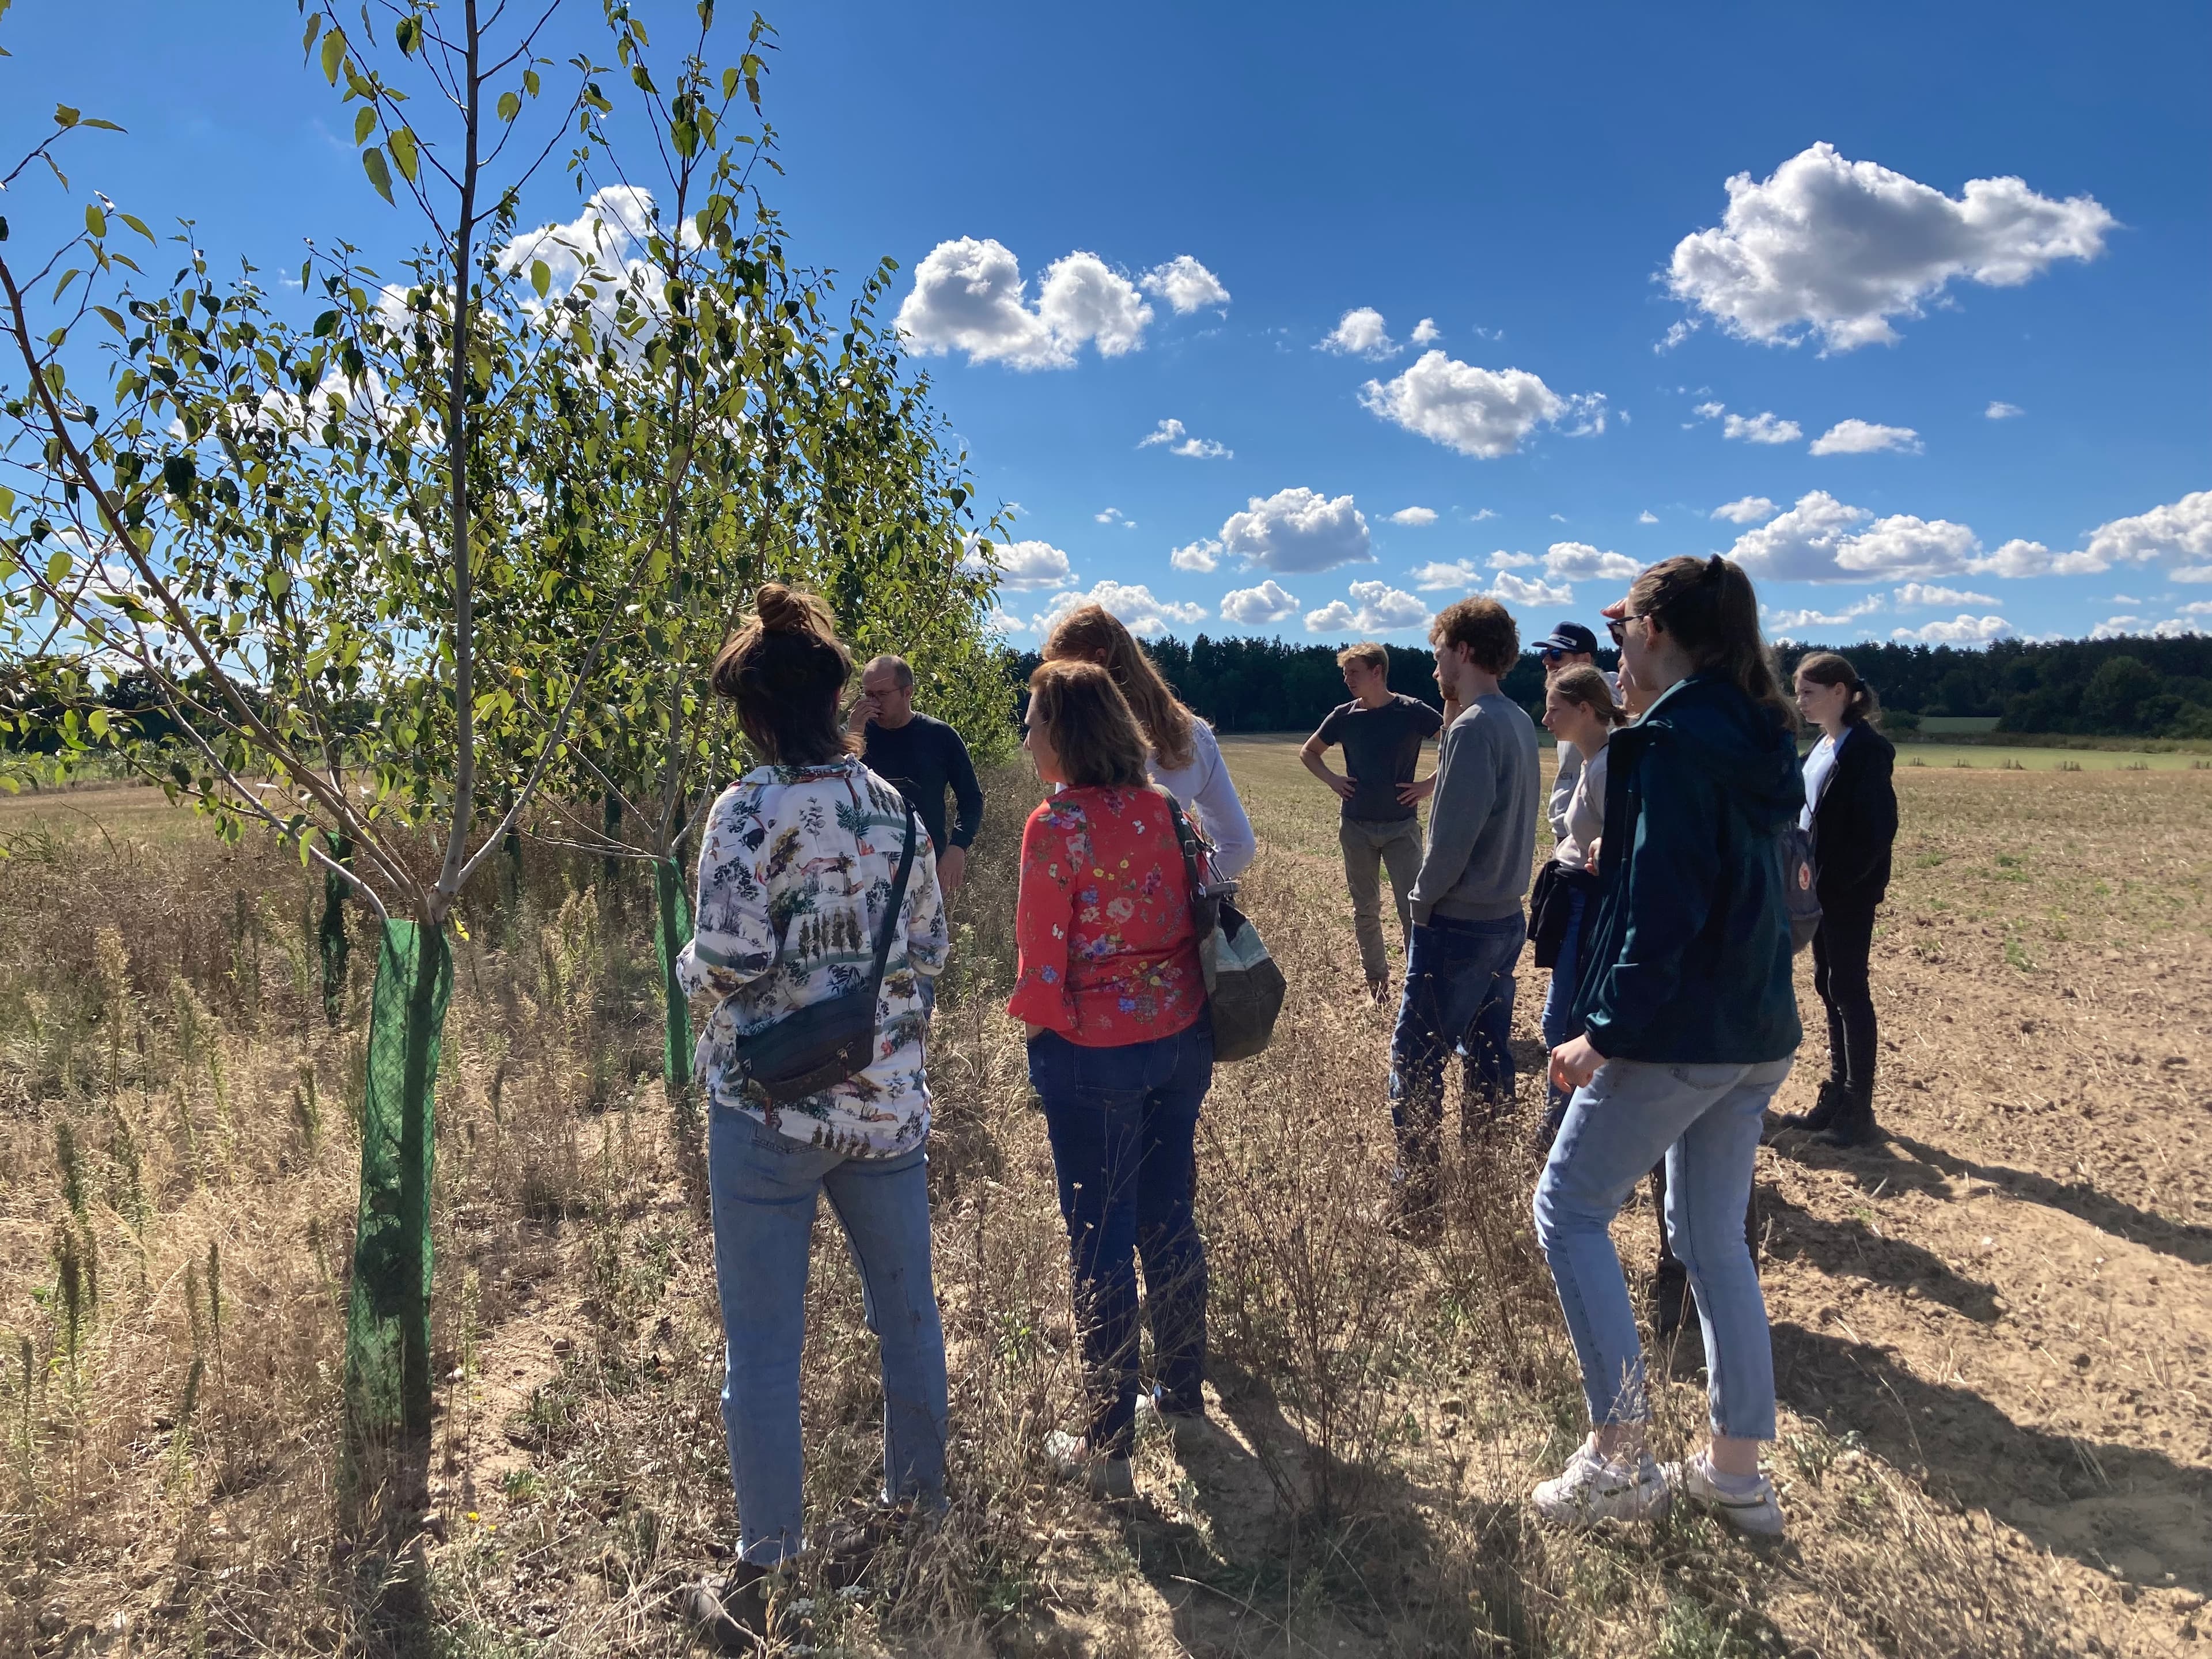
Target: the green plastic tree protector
(672, 933)
(332, 933)
(387, 1374)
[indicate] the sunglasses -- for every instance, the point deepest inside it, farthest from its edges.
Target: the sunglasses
(1551, 653)
(1619, 626)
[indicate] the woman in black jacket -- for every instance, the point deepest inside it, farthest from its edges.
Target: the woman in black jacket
(1850, 809)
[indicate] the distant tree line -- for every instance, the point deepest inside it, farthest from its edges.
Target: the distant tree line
(2092, 688)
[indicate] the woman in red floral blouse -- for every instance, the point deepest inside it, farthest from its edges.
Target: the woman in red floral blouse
(1120, 1051)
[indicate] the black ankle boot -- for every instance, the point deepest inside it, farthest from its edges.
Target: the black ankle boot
(1833, 1098)
(1853, 1123)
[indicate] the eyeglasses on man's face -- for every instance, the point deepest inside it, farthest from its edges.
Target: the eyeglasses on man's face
(1550, 654)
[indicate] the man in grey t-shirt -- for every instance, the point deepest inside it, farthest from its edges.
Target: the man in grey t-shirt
(1468, 926)
(1382, 732)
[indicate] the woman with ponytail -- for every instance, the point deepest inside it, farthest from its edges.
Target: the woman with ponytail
(799, 889)
(1180, 754)
(1851, 810)
(1688, 1025)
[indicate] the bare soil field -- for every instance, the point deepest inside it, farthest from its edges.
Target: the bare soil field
(1991, 1331)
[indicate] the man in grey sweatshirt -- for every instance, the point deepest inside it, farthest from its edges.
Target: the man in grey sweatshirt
(1468, 926)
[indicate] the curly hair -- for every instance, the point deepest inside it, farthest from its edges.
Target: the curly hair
(1485, 627)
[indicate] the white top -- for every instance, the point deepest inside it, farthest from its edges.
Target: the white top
(1819, 767)
(1208, 794)
(1582, 820)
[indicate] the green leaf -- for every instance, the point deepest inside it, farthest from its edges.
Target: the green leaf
(372, 162)
(403, 153)
(529, 81)
(364, 122)
(66, 117)
(278, 583)
(94, 219)
(407, 35)
(314, 28)
(98, 721)
(510, 105)
(334, 45)
(104, 126)
(138, 225)
(541, 278)
(113, 321)
(57, 567)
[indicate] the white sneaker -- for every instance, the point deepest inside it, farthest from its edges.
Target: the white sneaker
(1072, 1461)
(1755, 1511)
(1590, 1489)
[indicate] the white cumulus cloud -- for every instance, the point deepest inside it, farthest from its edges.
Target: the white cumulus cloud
(1115, 515)
(1919, 596)
(1903, 545)
(1578, 561)
(1482, 412)
(1459, 575)
(1962, 630)
(1821, 539)
(1745, 509)
(1425, 332)
(1201, 556)
(1256, 607)
(1360, 333)
(1173, 434)
(1857, 437)
(1134, 604)
(968, 297)
(2179, 530)
(1418, 517)
(1764, 428)
(1501, 559)
(1783, 623)
(2173, 627)
(1513, 590)
(2001, 411)
(1297, 529)
(1383, 608)
(1837, 248)
(1022, 565)
(1185, 285)
(1647, 516)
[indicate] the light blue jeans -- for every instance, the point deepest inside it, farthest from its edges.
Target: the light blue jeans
(764, 1187)
(1706, 1119)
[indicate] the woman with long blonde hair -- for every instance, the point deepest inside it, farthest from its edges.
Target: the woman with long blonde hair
(1182, 755)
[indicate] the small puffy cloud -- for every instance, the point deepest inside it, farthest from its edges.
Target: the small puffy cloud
(1801, 544)
(2194, 573)
(1383, 608)
(1115, 515)
(1676, 333)
(1764, 428)
(1903, 545)
(1201, 556)
(2179, 530)
(2017, 558)
(1022, 565)
(1785, 624)
(2001, 411)
(1745, 509)
(1857, 437)
(1417, 517)
(1501, 559)
(1485, 513)
(1425, 332)
(1257, 607)
(1178, 441)
(1296, 530)
(1919, 596)
(1513, 590)
(968, 295)
(1962, 630)
(1578, 561)
(1836, 248)
(2173, 627)
(1185, 285)
(1134, 603)
(1360, 333)
(1482, 412)
(1647, 516)
(1458, 576)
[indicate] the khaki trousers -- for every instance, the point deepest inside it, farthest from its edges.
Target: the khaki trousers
(1369, 848)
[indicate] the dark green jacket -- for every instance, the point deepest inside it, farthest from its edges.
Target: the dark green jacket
(1689, 960)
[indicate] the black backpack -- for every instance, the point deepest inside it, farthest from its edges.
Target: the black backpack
(1801, 884)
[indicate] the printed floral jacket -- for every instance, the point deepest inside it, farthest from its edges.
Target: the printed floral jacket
(793, 877)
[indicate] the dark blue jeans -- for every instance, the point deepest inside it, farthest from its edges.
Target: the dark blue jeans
(1459, 985)
(1123, 1123)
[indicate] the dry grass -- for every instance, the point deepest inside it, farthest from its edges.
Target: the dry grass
(169, 1449)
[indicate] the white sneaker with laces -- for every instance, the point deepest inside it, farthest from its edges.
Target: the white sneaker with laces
(1072, 1461)
(1590, 1489)
(1757, 1511)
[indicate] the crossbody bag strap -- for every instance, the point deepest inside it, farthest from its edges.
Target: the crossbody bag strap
(889, 927)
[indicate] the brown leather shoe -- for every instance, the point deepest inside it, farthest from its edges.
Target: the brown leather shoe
(734, 1612)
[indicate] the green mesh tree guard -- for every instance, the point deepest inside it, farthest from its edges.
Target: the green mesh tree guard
(669, 939)
(332, 933)
(610, 816)
(387, 1370)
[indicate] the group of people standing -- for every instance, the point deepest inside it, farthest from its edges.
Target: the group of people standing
(1671, 1019)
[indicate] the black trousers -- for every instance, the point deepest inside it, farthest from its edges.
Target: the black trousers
(1840, 949)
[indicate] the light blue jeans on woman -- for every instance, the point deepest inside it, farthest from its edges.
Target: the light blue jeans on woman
(1706, 1119)
(764, 1186)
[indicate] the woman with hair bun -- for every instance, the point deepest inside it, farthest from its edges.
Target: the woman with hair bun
(798, 890)
(1180, 754)
(1851, 810)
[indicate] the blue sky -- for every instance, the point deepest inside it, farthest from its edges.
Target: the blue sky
(1549, 187)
